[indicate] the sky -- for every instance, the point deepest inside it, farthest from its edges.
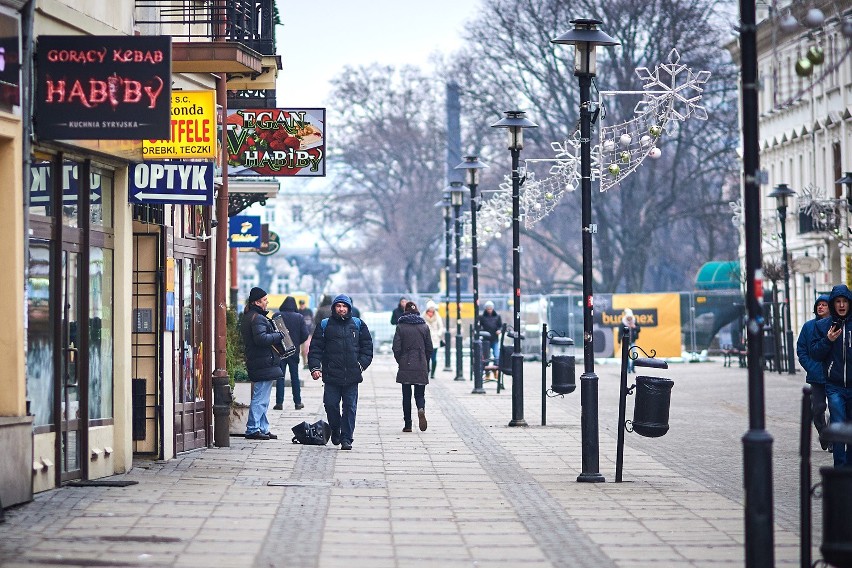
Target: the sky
(320, 37)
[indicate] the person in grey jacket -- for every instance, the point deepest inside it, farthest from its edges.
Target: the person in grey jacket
(341, 350)
(814, 369)
(412, 349)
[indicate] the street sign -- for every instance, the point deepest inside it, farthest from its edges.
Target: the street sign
(41, 184)
(244, 231)
(171, 182)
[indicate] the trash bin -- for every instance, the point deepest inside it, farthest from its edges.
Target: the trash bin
(562, 361)
(836, 546)
(506, 352)
(651, 410)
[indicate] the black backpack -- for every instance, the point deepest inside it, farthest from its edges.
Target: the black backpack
(316, 434)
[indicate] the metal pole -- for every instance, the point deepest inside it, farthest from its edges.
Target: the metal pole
(447, 334)
(544, 374)
(805, 480)
(757, 443)
(588, 380)
(788, 332)
(459, 339)
(622, 403)
(517, 356)
(476, 341)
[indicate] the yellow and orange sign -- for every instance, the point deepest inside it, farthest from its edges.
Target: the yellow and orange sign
(193, 128)
(658, 315)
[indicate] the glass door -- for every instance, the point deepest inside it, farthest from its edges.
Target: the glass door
(69, 390)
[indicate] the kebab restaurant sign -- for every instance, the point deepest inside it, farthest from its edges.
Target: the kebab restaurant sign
(103, 87)
(193, 128)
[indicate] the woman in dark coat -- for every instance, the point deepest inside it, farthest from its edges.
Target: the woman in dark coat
(412, 349)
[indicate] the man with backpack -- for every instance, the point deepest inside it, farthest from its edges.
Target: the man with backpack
(341, 350)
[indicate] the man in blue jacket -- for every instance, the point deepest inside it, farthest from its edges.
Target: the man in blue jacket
(832, 344)
(341, 350)
(814, 369)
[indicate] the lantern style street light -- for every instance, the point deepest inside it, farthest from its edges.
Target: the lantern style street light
(781, 193)
(586, 37)
(446, 204)
(457, 198)
(515, 121)
(472, 165)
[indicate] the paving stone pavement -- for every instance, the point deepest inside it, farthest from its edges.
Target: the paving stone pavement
(468, 492)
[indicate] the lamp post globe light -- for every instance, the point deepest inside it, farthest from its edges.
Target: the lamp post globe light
(472, 165)
(446, 204)
(586, 37)
(457, 198)
(781, 193)
(514, 122)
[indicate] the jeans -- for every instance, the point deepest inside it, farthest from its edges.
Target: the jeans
(331, 398)
(293, 363)
(838, 410)
(495, 350)
(434, 360)
(257, 420)
(419, 400)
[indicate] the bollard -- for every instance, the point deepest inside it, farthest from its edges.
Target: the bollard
(836, 546)
(651, 409)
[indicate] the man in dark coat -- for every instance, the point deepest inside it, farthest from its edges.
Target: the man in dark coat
(814, 369)
(490, 321)
(412, 349)
(298, 329)
(341, 350)
(832, 344)
(262, 363)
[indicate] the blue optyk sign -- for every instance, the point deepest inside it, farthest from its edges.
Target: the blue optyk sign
(171, 182)
(41, 184)
(244, 231)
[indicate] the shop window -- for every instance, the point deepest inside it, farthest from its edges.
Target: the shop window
(40, 305)
(100, 334)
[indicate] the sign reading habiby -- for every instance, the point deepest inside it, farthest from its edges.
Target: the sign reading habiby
(193, 128)
(103, 87)
(276, 142)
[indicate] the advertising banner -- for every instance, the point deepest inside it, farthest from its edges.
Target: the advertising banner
(193, 128)
(103, 87)
(172, 181)
(244, 231)
(658, 316)
(41, 184)
(276, 142)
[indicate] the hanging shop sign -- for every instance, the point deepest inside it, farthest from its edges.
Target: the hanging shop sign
(103, 87)
(10, 60)
(193, 128)
(172, 181)
(244, 231)
(276, 142)
(41, 183)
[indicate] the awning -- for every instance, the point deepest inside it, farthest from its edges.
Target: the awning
(718, 275)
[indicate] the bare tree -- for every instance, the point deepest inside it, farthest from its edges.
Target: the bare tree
(390, 149)
(665, 220)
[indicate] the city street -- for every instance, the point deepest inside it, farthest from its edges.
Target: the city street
(469, 491)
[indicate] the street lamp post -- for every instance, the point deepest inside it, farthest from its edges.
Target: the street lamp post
(456, 198)
(472, 165)
(781, 193)
(585, 37)
(446, 203)
(515, 121)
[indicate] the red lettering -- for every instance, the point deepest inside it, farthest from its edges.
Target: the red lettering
(57, 89)
(97, 91)
(132, 91)
(78, 92)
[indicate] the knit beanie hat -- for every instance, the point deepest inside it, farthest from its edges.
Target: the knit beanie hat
(256, 294)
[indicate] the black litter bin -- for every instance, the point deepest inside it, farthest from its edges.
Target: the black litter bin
(651, 411)
(563, 374)
(836, 546)
(506, 359)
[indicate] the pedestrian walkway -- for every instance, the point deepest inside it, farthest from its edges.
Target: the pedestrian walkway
(470, 491)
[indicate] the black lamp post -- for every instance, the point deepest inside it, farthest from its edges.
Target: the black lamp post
(472, 165)
(515, 122)
(446, 203)
(757, 442)
(781, 193)
(585, 37)
(456, 198)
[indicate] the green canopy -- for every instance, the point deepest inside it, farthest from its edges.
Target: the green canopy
(718, 275)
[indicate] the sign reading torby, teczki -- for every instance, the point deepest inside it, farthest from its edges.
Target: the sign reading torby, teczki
(103, 87)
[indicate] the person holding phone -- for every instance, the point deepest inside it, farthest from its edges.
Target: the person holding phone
(832, 344)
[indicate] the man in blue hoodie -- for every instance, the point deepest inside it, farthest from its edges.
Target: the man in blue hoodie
(832, 344)
(814, 369)
(341, 350)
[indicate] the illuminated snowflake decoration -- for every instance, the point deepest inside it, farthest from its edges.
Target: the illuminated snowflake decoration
(671, 93)
(739, 212)
(824, 212)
